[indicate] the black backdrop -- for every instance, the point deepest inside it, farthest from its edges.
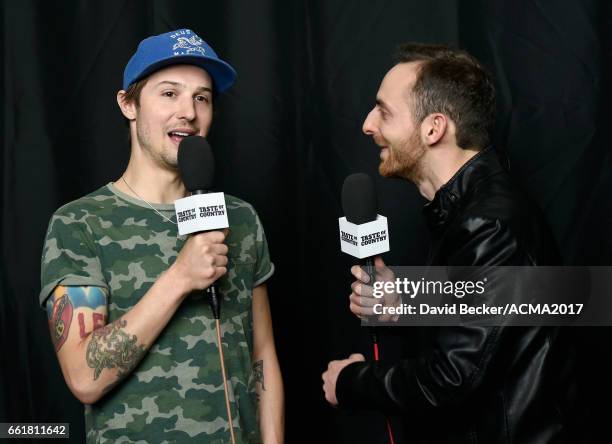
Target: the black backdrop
(285, 139)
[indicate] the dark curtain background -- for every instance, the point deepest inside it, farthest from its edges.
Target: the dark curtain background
(285, 139)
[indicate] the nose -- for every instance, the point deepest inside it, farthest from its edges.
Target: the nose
(369, 124)
(187, 109)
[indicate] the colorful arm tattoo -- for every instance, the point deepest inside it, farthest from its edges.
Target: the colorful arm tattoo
(62, 304)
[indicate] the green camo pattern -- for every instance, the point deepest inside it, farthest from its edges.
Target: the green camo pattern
(175, 395)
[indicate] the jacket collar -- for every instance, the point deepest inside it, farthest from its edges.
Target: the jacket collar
(458, 189)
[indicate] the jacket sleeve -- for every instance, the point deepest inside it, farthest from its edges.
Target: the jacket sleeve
(459, 357)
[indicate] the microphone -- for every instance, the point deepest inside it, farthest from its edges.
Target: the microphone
(196, 164)
(359, 200)
(203, 210)
(363, 233)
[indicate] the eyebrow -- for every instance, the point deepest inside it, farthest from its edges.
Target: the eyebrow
(181, 85)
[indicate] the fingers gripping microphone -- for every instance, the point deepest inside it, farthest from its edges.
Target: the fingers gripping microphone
(202, 211)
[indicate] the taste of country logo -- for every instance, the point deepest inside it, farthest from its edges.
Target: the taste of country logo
(187, 43)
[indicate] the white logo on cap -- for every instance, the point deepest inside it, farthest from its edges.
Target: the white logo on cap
(188, 45)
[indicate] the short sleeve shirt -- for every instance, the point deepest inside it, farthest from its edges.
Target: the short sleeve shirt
(111, 240)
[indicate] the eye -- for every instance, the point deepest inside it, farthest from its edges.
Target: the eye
(204, 99)
(168, 94)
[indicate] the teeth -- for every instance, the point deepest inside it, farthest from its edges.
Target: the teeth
(178, 133)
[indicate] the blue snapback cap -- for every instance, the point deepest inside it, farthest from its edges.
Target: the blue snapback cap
(177, 47)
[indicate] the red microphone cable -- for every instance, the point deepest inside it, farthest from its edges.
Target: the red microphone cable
(374, 337)
(371, 271)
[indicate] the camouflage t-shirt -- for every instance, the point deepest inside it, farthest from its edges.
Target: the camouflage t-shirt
(109, 239)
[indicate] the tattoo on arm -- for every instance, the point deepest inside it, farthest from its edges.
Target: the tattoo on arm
(62, 304)
(111, 347)
(59, 314)
(97, 321)
(259, 373)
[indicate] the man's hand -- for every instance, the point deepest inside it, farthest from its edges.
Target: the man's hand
(362, 300)
(202, 260)
(331, 376)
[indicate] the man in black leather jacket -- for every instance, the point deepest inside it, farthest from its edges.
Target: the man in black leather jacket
(463, 384)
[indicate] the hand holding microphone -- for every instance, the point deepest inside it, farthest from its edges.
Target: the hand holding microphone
(202, 260)
(363, 297)
(364, 234)
(205, 256)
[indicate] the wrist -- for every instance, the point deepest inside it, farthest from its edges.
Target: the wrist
(173, 283)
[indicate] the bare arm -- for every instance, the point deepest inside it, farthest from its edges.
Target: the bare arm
(267, 371)
(93, 355)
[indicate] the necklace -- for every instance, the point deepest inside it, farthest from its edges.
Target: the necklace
(145, 201)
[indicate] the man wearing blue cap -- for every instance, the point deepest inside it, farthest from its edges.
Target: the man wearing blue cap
(135, 341)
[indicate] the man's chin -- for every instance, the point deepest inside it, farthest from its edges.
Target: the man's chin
(170, 162)
(386, 170)
(411, 173)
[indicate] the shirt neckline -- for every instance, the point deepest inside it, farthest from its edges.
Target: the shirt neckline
(141, 203)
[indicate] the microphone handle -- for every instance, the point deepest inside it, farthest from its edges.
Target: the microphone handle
(213, 300)
(368, 265)
(212, 292)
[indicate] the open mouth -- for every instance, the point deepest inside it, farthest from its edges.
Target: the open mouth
(178, 135)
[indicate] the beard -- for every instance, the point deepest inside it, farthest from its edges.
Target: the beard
(162, 156)
(404, 160)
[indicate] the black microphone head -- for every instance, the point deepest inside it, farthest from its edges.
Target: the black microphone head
(196, 163)
(359, 200)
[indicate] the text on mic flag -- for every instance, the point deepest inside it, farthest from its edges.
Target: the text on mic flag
(364, 240)
(201, 212)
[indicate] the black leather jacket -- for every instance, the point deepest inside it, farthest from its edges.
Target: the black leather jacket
(470, 384)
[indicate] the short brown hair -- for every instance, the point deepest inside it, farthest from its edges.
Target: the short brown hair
(452, 82)
(132, 94)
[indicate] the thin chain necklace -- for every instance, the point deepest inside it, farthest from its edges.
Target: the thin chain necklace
(145, 201)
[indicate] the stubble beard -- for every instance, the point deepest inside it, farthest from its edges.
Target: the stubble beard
(162, 156)
(405, 161)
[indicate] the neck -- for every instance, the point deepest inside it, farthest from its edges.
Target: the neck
(439, 166)
(151, 182)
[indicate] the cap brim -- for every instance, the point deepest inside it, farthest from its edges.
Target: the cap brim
(221, 73)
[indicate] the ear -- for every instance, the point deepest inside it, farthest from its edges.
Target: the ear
(128, 109)
(433, 128)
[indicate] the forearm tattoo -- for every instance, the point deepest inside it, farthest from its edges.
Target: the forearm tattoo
(258, 372)
(111, 347)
